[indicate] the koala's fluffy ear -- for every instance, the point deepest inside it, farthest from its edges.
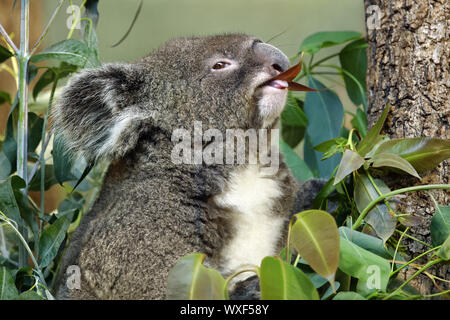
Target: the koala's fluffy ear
(101, 112)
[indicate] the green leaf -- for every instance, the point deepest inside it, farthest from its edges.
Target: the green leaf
(35, 124)
(51, 240)
(8, 203)
(394, 161)
(359, 122)
(8, 289)
(62, 160)
(330, 147)
(444, 252)
(5, 166)
(325, 116)
(372, 270)
(315, 236)
(373, 136)
(316, 41)
(46, 78)
(5, 97)
(440, 225)
(379, 217)
(296, 164)
(293, 122)
(71, 51)
(348, 295)
(189, 279)
(5, 54)
(351, 161)
(422, 153)
(323, 194)
(353, 59)
(282, 281)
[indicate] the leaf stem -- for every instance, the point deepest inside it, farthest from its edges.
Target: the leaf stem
(361, 217)
(412, 260)
(429, 264)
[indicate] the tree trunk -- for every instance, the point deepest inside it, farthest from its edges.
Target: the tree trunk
(408, 67)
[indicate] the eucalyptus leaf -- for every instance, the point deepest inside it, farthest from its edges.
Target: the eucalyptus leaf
(315, 236)
(189, 279)
(316, 41)
(8, 203)
(8, 289)
(379, 218)
(392, 160)
(353, 59)
(70, 51)
(5, 166)
(422, 153)
(325, 116)
(29, 295)
(51, 240)
(440, 225)
(372, 271)
(351, 161)
(282, 281)
(373, 136)
(293, 122)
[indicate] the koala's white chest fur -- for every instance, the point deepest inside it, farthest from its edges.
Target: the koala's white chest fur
(250, 197)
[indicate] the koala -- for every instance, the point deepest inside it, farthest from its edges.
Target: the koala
(151, 211)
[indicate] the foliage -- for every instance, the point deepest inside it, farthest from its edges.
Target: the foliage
(32, 240)
(327, 256)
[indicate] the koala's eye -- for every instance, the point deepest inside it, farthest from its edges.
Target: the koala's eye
(220, 65)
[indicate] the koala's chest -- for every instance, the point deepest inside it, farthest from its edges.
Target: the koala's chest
(249, 197)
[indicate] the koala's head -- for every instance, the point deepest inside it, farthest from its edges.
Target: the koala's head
(222, 81)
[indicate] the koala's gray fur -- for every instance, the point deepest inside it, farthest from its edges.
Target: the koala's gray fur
(151, 212)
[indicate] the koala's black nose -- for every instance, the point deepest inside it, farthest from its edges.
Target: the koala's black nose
(271, 56)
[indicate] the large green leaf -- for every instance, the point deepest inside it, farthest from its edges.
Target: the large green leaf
(293, 122)
(372, 270)
(190, 279)
(296, 164)
(440, 225)
(8, 289)
(49, 179)
(422, 153)
(351, 161)
(379, 218)
(365, 241)
(282, 281)
(316, 41)
(71, 51)
(8, 203)
(315, 236)
(353, 59)
(392, 160)
(373, 136)
(325, 116)
(29, 295)
(51, 240)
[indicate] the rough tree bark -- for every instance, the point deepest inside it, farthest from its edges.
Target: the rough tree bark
(408, 67)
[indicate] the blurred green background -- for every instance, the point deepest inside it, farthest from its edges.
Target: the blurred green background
(161, 20)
